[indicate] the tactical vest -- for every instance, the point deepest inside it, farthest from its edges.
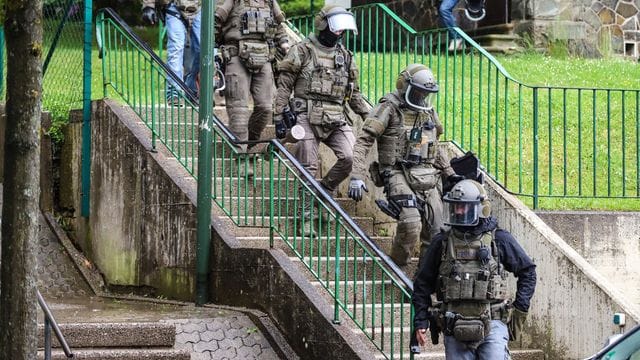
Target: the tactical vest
(251, 20)
(471, 276)
(400, 142)
(326, 77)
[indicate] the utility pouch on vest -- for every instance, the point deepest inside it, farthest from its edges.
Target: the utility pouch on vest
(480, 288)
(469, 330)
(452, 289)
(422, 178)
(253, 54)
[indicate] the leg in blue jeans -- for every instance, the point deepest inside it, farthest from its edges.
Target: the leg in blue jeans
(494, 346)
(194, 37)
(446, 16)
(176, 36)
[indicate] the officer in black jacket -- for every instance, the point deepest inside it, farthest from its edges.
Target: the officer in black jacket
(466, 268)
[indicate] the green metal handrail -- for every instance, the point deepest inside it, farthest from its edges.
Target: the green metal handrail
(364, 283)
(540, 142)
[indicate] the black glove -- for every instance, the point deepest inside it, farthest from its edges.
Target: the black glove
(149, 15)
(281, 129)
(355, 189)
(450, 182)
(518, 318)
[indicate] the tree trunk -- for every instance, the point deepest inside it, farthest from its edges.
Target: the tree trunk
(18, 304)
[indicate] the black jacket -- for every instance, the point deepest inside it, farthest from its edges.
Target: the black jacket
(512, 256)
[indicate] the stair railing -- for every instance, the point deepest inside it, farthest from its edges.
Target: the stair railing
(49, 324)
(565, 146)
(281, 195)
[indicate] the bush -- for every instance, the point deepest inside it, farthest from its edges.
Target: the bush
(299, 7)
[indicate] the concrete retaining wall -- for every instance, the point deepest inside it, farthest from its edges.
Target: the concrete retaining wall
(572, 310)
(141, 233)
(610, 241)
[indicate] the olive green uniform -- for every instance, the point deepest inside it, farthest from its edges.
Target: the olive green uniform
(322, 79)
(248, 32)
(412, 186)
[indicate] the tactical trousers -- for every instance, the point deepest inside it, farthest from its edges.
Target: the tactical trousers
(241, 84)
(340, 141)
(411, 225)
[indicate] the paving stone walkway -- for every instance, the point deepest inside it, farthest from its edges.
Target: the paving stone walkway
(208, 332)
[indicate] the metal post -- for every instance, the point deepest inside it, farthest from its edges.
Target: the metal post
(205, 115)
(311, 7)
(86, 110)
(47, 338)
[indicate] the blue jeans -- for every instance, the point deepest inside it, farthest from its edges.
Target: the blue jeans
(176, 39)
(446, 16)
(493, 347)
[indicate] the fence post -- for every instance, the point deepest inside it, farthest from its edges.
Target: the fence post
(205, 115)
(535, 148)
(86, 109)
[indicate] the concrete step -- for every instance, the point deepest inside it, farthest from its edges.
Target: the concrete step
(121, 354)
(120, 335)
(499, 43)
(359, 292)
(516, 354)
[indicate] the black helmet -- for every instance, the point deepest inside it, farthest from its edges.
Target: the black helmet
(474, 10)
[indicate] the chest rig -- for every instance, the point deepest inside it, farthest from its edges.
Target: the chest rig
(471, 277)
(410, 137)
(255, 19)
(326, 77)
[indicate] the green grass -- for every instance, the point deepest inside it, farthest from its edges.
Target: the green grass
(597, 155)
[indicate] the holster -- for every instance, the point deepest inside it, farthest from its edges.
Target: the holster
(374, 171)
(389, 208)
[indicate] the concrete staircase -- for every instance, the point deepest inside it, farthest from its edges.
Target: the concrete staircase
(497, 38)
(127, 341)
(361, 291)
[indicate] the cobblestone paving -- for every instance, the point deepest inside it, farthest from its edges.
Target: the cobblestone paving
(230, 337)
(209, 333)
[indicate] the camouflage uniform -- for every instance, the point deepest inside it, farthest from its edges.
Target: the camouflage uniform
(323, 79)
(415, 187)
(248, 32)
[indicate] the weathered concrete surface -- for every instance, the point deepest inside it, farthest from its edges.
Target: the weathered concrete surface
(610, 241)
(124, 173)
(571, 312)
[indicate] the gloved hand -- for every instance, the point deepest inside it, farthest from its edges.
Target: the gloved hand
(281, 128)
(518, 318)
(149, 15)
(450, 181)
(355, 189)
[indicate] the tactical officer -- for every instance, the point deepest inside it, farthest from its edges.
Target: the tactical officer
(466, 268)
(410, 165)
(323, 77)
(249, 33)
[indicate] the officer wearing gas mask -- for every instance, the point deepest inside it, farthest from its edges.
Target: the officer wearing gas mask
(410, 164)
(466, 268)
(323, 76)
(249, 33)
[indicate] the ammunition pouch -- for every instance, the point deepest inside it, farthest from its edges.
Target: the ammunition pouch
(253, 54)
(325, 117)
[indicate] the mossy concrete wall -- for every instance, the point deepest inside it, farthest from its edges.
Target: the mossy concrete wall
(141, 233)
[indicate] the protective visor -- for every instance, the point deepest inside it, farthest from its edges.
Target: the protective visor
(461, 213)
(418, 98)
(342, 21)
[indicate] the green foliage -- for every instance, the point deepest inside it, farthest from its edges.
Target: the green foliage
(299, 7)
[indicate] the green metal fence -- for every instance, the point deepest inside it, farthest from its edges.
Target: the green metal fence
(554, 146)
(364, 283)
(63, 29)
